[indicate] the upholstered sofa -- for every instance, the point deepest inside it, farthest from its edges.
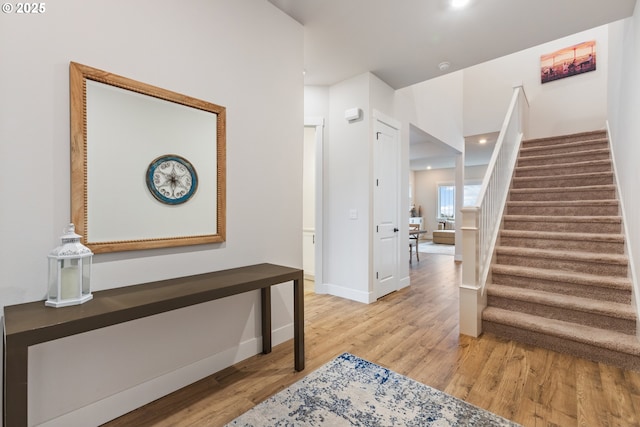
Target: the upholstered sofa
(445, 234)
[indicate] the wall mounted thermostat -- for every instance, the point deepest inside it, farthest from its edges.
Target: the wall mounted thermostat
(352, 114)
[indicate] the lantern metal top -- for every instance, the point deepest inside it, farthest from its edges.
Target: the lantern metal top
(71, 246)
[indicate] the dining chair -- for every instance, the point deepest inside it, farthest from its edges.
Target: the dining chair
(416, 237)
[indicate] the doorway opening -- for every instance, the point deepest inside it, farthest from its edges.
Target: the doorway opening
(312, 198)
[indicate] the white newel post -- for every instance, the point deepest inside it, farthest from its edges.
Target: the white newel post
(471, 298)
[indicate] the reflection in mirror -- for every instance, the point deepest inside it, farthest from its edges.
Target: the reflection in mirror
(148, 166)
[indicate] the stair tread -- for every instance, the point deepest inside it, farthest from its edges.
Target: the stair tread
(561, 235)
(612, 340)
(564, 165)
(592, 133)
(569, 302)
(569, 154)
(565, 218)
(607, 187)
(563, 254)
(603, 202)
(577, 143)
(587, 279)
(562, 177)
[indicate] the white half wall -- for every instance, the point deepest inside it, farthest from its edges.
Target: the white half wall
(244, 55)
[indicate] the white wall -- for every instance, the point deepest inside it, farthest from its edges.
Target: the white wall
(245, 55)
(309, 179)
(316, 103)
(435, 106)
(347, 177)
(348, 168)
(382, 97)
(624, 110)
(574, 104)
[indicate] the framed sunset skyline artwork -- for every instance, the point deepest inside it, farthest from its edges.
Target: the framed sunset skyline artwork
(567, 62)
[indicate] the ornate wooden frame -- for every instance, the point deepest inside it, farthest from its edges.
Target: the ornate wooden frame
(78, 76)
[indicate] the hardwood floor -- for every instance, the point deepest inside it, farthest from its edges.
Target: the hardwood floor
(415, 333)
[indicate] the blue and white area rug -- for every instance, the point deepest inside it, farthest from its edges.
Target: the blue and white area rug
(349, 391)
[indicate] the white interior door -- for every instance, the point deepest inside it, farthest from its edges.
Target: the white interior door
(386, 208)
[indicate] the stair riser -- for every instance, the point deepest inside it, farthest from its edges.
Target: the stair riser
(564, 288)
(565, 314)
(557, 196)
(564, 244)
(556, 160)
(527, 151)
(578, 266)
(587, 210)
(540, 182)
(568, 227)
(564, 139)
(565, 170)
(578, 349)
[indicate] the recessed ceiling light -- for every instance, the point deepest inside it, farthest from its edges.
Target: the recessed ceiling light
(428, 168)
(482, 140)
(459, 4)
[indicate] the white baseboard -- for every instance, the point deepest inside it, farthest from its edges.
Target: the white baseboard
(320, 288)
(404, 282)
(342, 292)
(126, 401)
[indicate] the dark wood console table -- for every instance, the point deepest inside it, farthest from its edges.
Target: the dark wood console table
(33, 323)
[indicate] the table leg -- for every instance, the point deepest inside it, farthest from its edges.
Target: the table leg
(15, 385)
(266, 319)
(298, 322)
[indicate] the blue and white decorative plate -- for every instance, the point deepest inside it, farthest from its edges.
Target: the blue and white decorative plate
(171, 179)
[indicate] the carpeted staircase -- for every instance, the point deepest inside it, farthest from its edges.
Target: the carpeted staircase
(560, 276)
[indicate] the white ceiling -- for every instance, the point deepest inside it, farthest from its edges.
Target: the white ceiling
(403, 41)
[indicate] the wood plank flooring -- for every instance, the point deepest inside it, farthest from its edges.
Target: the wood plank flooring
(415, 333)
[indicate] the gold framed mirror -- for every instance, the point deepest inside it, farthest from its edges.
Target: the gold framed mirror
(148, 165)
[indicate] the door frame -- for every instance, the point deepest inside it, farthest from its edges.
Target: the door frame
(379, 117)
(318, 123)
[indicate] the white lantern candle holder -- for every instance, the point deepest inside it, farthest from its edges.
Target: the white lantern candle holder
(69, 271)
